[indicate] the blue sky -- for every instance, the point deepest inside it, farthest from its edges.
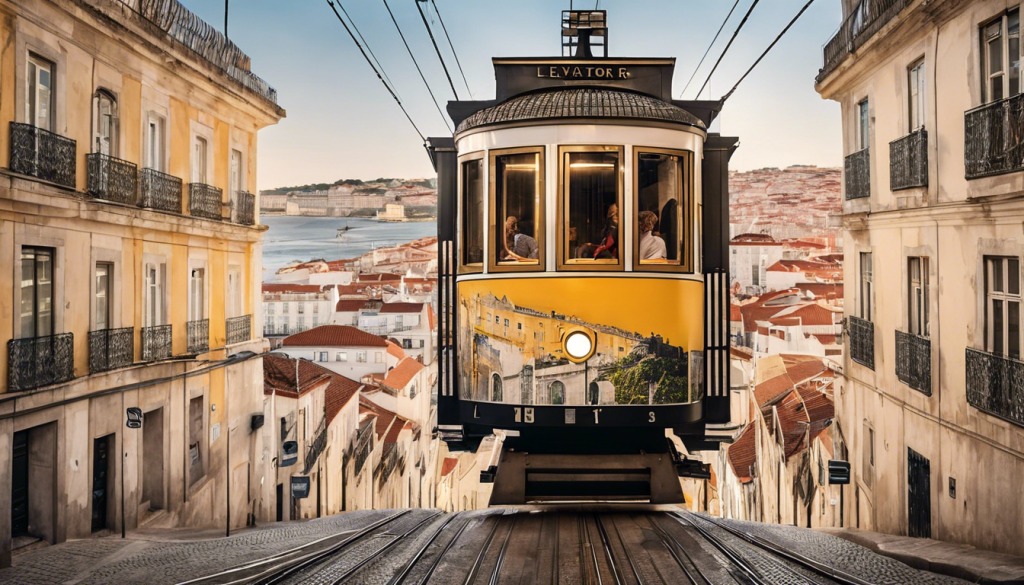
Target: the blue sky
(342, 123)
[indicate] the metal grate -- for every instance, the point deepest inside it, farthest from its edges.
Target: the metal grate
(857, 172)
(111, 348)
(914, 361)
(42, 154)
(908, 161)
(204, 201)
(198, 333)
(112, 179)
(156, 343)
(238, 329)
(160, 191)
(995, 385)
(40, 361)
(994, 138)
(862, 341)
(246, 212)
(866, 18)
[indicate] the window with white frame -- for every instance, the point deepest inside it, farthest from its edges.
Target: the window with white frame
(361, 357)
(915, 91)
(1003, 306)
(323, 356)
(341, 356)
(199, 151)
(863, 125)
(37, 291)
(1000, 57)
(104, 123)
(104, 278)
(867, 283)
(196, 295)
(155, 142)
(155, 274)
(917, 295)
(40, 96)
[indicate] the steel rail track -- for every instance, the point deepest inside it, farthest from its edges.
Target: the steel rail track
(268, 566)
(585, 545)
(376, 554)
(672, 545)
(608, 550)
(501, 553)
(483, 551)
(404, 574)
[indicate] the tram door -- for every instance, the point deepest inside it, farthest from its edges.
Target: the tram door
(919, 496)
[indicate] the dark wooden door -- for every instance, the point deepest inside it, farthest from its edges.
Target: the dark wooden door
(919, 495)
(280, 502)
(100, 472)
(19, 485)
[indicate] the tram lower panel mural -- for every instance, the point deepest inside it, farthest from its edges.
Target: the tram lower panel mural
(647, 332)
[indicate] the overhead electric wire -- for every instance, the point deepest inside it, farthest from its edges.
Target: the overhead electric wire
(729, 44)
(370, 63)
(696, 69)
(791, 23)
(436, 50)
(445, 29)
(367, 45)
(417, 64)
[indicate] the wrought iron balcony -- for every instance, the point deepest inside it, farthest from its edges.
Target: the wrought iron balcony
(995, 384)
(363, 448)
(238, 329)
(204, 201)
(866, 18)
(316, 446)
(908, 161)
(156, 343)
(110, 349)
(914, 361)
(198, 333)
(40, 361)
(42, 154)
(245, 213)
(160, 190)
(112, 179)
(862, 341)
(994, 138)
(858, 174)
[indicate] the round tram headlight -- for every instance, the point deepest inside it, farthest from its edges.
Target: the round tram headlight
(578, 345)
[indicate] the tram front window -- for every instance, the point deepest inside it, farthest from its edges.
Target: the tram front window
(660, 206)
(472, 213)
(592, 208)
(517, 188)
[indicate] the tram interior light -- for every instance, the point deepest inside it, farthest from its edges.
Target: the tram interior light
(578, 345)
(585, 165)
(521, 167)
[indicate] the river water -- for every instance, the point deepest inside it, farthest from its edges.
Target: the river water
(292, 239)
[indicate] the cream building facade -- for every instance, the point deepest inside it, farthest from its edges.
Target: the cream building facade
(930, 411)
(130, 248)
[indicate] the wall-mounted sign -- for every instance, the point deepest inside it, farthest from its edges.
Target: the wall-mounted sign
(300, 486)
(289, 453)
(134, 418)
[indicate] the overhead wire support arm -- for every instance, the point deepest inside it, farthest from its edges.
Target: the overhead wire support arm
(791, 23)
(697, 68)
(729, 44)
(417, 64)
(457, 62)
(436, 50)
(370, 63)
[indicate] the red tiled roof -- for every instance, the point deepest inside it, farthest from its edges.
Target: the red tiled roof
(277, 287)
(403, 373)
(770, 390)
(334, 336)
(791, 418)
(431, 317)
(734, 312)
(742, 353)
(338, 393)
(395, 351)
(742, 454)
(379, 277)
(401, 308)
(279, 375)
(349, 305)
(448, 465)
(805, 370)
(389, 425)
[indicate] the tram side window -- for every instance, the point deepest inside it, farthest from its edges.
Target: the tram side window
(472, 212)
(661, 206)
(517, 224)
(592, 230)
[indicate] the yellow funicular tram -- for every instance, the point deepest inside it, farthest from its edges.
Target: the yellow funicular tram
(583, 229)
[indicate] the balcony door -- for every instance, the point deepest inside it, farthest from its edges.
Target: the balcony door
(154, 274)
(36, 292)
(155, 142)
(199, 150)
(196, 295)
(104, 123)
(39, 105)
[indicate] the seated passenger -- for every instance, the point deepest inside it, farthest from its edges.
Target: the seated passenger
(608, 247)
(518, 246)
(652, 247)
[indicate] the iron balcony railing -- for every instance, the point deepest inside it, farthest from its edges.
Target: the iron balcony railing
(238, 329)
(42, 154)
(995, 384)
(316, 446)
(112, 179)
(245, 213)
(994, 138)
(866, 18)
(110, 349)
(862, 341)
(908, 161)
(914, 361)
(156, 343)
(198, 334)
(160, 190)
(363, 447)
(857, 171)
(204, 201)
(35, 362)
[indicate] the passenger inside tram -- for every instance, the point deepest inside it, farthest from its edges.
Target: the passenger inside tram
(518, 246)
(516, 197)
(593, 210)
(652, 247)
(659, 221)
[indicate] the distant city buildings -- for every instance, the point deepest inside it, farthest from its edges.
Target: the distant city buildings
(387, 201)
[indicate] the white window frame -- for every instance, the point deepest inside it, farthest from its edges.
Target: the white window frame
(154, 291)
(104, 299)
(1005, 38)
(200, 156)
(863, 124)
(918, 304)
(105, 133)
(155, 136)
(866, 281)
(197, 282)
(916, 91)
(33, 89)
(1005, 298)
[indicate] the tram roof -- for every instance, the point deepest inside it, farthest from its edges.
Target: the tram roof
(580, 103)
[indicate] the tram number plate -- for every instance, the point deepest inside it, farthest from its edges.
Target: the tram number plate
(570, 416)
(523, 415)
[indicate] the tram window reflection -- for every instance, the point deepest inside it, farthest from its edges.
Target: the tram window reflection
(517, 188)
(472, 212)
(592, 207)
(660, 202)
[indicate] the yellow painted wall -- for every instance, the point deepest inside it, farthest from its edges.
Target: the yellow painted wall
(130, 112)
(6, 84)
(217, 265)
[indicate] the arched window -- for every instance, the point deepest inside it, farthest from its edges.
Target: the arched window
(495, 388)
(526, 385)
(557, 392)
(593, 394)
(104, 123)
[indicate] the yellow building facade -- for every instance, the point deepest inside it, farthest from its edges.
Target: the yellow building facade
(130, 263)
